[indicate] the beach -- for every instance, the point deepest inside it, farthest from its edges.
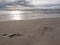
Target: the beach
(33, 32)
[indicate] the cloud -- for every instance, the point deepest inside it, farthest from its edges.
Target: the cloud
(44, 2)
(33, 2)
(37, 3)
(7, 1)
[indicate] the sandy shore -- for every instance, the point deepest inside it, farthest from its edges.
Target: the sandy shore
(32, 32)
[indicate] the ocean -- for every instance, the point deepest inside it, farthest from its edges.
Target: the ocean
(26, 15)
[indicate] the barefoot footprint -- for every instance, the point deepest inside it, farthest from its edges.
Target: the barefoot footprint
(4, 34)
(45, 29)
(12, 35)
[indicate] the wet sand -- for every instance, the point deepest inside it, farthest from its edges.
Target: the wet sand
(32, 32)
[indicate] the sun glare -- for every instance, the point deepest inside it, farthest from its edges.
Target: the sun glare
(16, 15)
(15, 12)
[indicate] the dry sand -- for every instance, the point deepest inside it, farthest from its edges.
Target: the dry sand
(32, 32)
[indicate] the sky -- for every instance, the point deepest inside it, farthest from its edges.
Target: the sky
(41, 2)
(36, 3)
